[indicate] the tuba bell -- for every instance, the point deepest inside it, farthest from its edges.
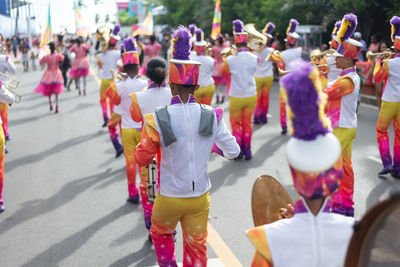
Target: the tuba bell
(10, 84)
(228, 51)
(255, 39)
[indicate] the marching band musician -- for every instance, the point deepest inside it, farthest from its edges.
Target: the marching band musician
(6, 67)
(313, 236)
(205, 93)
(242, 94)
(341, 109)
(264, 77)
(130, 129)
(290, 54)
(7, 98)
(389, 72)
(107, 61)
(156, 95)
(185, 131)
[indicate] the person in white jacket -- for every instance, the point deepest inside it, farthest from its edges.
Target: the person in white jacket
(185, 131)
(7, 98)
(315, 235)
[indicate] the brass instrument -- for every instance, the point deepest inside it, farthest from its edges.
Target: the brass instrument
(328, 52)
(283, 72)
(103, 34)
(274, 56)
(118, 76)
(10, 84)
(372, 56)
(209, 49)
(255, 39)
(316, 56)
(228, 51)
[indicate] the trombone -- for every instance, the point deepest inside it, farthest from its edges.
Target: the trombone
(10, 84)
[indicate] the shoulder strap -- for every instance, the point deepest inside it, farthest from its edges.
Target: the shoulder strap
(164, 122)
(206, 120)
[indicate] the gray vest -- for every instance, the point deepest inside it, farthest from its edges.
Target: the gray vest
(164, 122)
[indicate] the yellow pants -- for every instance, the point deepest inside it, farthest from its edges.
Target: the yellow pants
(343, 198)
(192, 213)
(204, 95)
(130, 139)
(105, 83)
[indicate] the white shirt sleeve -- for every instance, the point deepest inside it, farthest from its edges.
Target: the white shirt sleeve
(6, 97)
(10, 68)
(225, 141)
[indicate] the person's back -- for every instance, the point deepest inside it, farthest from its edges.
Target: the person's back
(243, 69)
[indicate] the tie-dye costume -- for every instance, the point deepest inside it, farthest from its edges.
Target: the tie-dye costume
(146, 102)
(389, 73)
(183, 183)
(107, 61)
(8, 68)
(342, 105)
(130, 130)
(319, 240)
(243, 97)
(7, 98)
(312, 237)
(264, 79)
(115, 120)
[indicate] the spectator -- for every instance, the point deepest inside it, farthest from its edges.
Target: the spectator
(150, 50)
(357, 36)
(14, 43)
(166, 43)
(24, 49)
(374, 45)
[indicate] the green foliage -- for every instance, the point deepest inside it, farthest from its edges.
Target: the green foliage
(325, 12)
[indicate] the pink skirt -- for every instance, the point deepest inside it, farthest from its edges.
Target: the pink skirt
(49, 89)
(220, 79)
(77, 73)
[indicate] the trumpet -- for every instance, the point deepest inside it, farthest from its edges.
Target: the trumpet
(228, 51)
(328, 52)
(118, 76)
(372, 56)
(10, 84)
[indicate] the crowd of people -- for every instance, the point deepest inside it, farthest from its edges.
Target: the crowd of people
(168, 132)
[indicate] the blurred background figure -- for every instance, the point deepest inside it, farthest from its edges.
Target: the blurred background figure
(357, 36)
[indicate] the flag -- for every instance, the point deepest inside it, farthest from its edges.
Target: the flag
(80, 23)
(47, 36)
(216, 26)
(144, 27)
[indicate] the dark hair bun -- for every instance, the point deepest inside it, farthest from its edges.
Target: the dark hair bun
(157, 70)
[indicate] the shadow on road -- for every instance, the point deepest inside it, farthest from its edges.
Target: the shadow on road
(143, 257)
(49, 152)
(234, 170)
(67, 193)
(65, 248)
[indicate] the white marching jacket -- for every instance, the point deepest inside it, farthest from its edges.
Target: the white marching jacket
(391, 92)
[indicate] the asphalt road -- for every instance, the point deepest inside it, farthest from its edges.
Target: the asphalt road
(65, 192)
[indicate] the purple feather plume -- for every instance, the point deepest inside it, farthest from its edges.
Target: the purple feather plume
(182, 43)
(352, 27)
(293, 24)
(129, 44)
(270, 27)
(199, 33)
(192, 28)
(238, 26)
(337, 26)
(395, 21)
(116, 29)
(303, 99)
(122, 48)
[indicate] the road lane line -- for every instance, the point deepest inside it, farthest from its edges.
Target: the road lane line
(221, 249)
(374, 158)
